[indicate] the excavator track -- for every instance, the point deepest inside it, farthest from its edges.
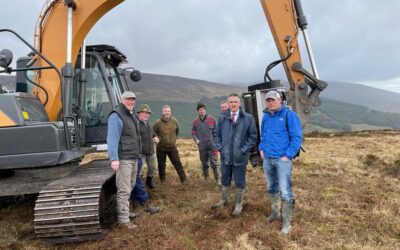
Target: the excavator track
(78, 207)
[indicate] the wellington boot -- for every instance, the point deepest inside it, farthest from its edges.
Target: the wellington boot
(276, 202)
(217, 176)
(150, 182)
(205, 172)
(224, 198)
(238, 202)
(287, 208)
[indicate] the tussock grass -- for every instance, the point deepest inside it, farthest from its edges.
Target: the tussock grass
(347, 197)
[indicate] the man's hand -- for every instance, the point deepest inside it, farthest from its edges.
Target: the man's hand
(262, 154)
(197, 141)
(285, 158)
(115, 165)
(156, 139)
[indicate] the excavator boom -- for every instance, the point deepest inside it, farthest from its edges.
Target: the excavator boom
(281, 17)
(51, 41)
(286, 21)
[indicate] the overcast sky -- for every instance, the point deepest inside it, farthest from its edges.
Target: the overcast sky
(230, 42)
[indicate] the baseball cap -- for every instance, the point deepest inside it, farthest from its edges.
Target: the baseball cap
(128, 94)
(272, 95)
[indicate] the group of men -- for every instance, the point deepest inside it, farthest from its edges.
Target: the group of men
(232, 135)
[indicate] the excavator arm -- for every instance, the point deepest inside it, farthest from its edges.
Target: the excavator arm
(286, 21)
(51, 39)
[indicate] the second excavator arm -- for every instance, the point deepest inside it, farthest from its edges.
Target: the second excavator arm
(286, 20)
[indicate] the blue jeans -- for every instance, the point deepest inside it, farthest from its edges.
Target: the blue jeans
(278, 175)
(238, 173)
(139, 192)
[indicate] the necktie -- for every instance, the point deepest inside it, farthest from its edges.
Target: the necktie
(233, 117)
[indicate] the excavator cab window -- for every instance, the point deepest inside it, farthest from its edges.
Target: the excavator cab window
(115, 80)
(95, 93)
(103, 89)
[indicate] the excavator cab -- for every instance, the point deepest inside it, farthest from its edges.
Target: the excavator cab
(31, 141)
(103, 87)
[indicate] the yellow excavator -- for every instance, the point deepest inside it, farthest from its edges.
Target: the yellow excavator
(64, 92)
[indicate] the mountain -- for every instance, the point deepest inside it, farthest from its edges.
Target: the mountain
(8, 81)
(373, 98)
(345, 107)
(179, 89)
(359, 94)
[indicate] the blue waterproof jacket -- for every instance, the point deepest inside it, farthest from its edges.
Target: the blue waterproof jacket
(281, 135)
(234, 141)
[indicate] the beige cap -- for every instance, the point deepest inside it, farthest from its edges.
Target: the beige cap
(272, 95)
(128, 94)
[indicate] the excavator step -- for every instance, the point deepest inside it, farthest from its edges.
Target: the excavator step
(78, 207)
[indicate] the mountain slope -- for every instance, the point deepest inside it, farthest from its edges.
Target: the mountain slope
(179, 89)
(363, 95)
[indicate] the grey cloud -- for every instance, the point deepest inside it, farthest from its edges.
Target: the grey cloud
(229, 41)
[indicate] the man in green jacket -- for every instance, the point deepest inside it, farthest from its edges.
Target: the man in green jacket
(148, 139)
(167, 129)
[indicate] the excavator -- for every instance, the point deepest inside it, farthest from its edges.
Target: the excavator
(64, 92)
(286, 20)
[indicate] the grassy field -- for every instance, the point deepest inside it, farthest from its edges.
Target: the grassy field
(347, 189)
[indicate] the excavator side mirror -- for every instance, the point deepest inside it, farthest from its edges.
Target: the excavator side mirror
(136, 75)
(6, 57)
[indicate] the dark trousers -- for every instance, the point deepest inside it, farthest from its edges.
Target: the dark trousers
(173, 155)
(207, 156)
(237, 172)
(139, 192)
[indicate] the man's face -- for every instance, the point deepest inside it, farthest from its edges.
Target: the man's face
(166, 113)
(273, 104)
(129, 103)
(234, 103)
(224, 106)
(144, 116)
(202, 112)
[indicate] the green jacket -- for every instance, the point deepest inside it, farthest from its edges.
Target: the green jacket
(167, 131)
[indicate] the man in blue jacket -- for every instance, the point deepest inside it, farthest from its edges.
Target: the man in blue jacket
(236, 135)
(281, 138)
(123, 141)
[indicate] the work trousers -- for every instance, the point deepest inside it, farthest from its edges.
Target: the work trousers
(125, 181)
(207, 156)
(151, 162)
(139, 192)
(173, 155)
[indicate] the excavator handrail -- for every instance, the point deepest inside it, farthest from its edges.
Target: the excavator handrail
(51, 65)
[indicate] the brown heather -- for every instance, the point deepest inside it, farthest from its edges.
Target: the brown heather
(348, 197)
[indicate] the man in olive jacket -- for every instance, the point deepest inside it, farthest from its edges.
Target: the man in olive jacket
(236, 136)
(167, 129)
